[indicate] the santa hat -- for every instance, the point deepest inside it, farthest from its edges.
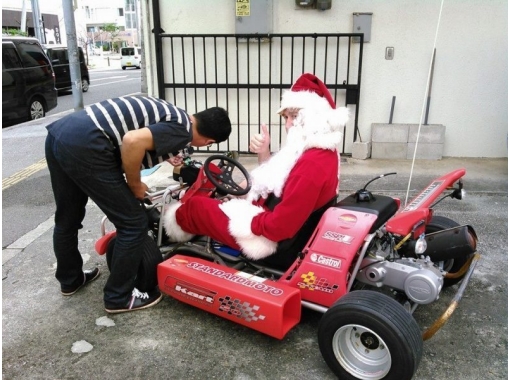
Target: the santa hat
(311, 94)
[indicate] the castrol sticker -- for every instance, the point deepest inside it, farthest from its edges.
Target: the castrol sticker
(325, 260)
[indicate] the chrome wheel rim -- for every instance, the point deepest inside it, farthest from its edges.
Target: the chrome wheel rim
(84, 85)
(36, 110)
(361, 352)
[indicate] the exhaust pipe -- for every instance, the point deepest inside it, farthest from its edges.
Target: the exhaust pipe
(448, 244)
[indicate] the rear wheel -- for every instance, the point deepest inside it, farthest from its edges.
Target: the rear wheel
(440, 223)
(147, 277)
(36, 109)
(84, 85)
(123, 67)
(369, 335)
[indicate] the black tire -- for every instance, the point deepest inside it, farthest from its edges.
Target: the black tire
(84, 85)
(369, 335)
(147, 278)
(36, 109)
(123, 67)
(439, 223)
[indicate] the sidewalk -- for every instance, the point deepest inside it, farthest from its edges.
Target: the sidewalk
(46, 335)
(106, 61)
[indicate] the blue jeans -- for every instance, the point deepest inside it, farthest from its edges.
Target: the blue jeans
(78, 173)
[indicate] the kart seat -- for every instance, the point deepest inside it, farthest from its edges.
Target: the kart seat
(381, 205)
(288, 249)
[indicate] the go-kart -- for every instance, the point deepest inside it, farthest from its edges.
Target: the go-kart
(362, 261)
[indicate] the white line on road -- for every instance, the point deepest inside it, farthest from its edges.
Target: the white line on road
(19, 245)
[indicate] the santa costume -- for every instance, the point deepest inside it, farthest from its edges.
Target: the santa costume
(299, 179)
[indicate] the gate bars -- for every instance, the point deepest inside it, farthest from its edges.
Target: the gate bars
(246, 74)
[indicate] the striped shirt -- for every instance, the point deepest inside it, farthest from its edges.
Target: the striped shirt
(170, 126)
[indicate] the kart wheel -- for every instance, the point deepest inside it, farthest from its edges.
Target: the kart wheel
(439, 223)
(147, 277)
(369, 335)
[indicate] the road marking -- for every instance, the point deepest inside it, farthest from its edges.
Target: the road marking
(103, 84)
(23, 174)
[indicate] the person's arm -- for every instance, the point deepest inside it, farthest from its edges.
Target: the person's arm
(309, 186)
(134, 145)
(259, 144)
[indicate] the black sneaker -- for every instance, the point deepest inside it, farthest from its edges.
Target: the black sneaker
(138, 301)
(88, 276)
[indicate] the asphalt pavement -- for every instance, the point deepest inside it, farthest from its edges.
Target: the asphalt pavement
(48, 336)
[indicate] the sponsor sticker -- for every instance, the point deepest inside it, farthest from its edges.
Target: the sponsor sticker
(312, 283)
(249, 281)
(240, 309)
(423, 196)
(325, 260)
(193, 292)
(338, 237)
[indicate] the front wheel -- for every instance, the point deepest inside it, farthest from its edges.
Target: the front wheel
(147, 277)
(440, 223)
(369, 335)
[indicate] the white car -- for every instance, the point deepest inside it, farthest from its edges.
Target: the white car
(130, 57)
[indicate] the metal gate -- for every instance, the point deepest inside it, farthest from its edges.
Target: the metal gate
(246, 74)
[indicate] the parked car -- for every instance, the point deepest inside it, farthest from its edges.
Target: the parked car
(28, 80)
(59, 57)
(130, 57)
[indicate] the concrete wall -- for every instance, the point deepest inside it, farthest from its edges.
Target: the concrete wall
(469, 94)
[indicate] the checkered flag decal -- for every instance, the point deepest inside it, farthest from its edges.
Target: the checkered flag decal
(241, 310)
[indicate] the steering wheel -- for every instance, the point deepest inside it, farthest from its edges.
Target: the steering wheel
(223, 179)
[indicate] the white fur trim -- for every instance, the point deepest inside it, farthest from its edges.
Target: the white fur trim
(241, 213)
(338, 117)
(172, 229)
(303, 99)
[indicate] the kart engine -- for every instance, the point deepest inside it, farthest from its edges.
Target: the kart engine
(418, 278)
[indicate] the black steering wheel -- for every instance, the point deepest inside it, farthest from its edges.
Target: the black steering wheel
(223, 180)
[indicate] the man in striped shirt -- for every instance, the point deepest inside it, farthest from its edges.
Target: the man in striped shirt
(98, 153)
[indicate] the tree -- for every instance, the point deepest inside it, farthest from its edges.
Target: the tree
(14, 32)
(111, 31)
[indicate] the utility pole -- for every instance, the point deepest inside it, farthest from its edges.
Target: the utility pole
(74, 60)
(36, 16)
(23, 25)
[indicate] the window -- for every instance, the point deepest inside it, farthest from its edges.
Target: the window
(130, 21)
(32, 55)
(10, 59)
(121, 12)
(130, 5)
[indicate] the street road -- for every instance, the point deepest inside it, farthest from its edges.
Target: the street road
(29, 202)
(104, 84)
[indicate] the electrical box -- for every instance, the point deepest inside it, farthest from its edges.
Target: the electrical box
(254, 16)
(362, 23)
(323, 5)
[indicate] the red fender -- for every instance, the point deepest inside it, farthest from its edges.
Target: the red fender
(102, 243)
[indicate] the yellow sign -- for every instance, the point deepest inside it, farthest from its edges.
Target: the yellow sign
(242, 8)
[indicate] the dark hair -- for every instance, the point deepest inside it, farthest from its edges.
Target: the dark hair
(214, 123)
